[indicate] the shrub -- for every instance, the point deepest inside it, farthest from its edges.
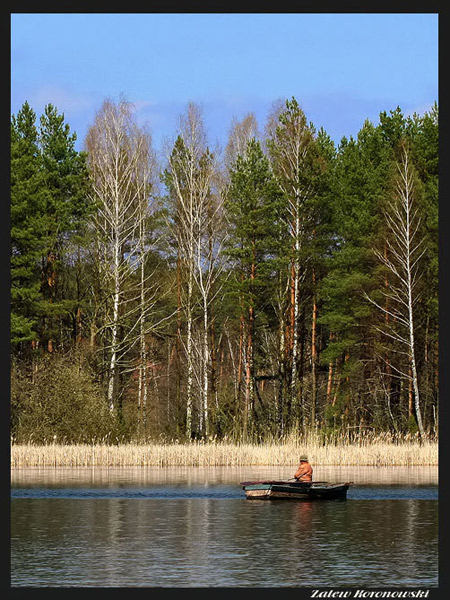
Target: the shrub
(60, 400)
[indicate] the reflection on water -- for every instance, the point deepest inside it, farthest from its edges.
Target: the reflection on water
(222, 540)
(103, 476)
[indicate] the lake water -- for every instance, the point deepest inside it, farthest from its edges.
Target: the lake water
(193, 527)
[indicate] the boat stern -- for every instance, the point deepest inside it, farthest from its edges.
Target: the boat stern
(259, 491)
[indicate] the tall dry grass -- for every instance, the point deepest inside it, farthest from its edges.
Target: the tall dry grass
(365, 451)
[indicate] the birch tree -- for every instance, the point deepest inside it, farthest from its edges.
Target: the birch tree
(189, 179)
(121, 170)
(402, 258)
(240, 134)
(208, 271)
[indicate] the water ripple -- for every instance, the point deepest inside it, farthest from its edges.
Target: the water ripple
(214, 492)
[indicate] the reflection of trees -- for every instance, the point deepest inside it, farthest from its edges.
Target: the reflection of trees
(229, 542)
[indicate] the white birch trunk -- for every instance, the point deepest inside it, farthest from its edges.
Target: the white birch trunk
(192, 169)
(142, 392)
(409, 283)
(189, 355)
(205, 366)
(121, 167)
(402, 259)
(114, 328)
(296, 312)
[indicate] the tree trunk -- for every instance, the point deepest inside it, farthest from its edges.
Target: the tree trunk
(386, 320)
(205, 366)
(213, 358)
(295, 299)
(248, 370)
(51, 282)
(330, 381)
(241, 352)
(281, 376)
(78, 334)
(249, 350)
(410, 394)
(405, 252)
(190, 371)
(178, 341)
(142, 401)
(408, 238)
(115, 324)
(314, 354)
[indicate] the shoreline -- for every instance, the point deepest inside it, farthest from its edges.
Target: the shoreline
(220, 454)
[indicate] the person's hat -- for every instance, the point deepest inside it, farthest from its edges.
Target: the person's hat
(303, 457)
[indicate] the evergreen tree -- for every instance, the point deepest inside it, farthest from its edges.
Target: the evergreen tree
(66, 206)
(293, 155)
(423, 133)
(269, 296)
(48, 207)
(27, 229)
(252, 208)
(320, 237)
(360, 174)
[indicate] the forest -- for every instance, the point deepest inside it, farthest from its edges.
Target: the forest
(278, 285)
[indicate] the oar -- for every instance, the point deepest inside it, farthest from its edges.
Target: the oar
(310, 482)
(279, 482)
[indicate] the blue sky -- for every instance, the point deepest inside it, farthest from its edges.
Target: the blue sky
(342, 68)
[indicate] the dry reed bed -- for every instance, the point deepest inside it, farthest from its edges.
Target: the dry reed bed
(381, 453)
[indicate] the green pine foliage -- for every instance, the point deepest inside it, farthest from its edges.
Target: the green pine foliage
(253, 208)
(48, 209)
(65, 211)
(351, 378)
(27, 228)
(350, 261)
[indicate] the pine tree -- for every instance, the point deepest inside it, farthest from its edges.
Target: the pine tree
(252, 207)
(66, 207)
(291, 152)
(320, 234)
(359, 176)
(27, 231)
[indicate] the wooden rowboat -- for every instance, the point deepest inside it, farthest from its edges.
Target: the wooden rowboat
(295, 490)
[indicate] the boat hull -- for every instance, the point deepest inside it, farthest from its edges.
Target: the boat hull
(295, 491)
